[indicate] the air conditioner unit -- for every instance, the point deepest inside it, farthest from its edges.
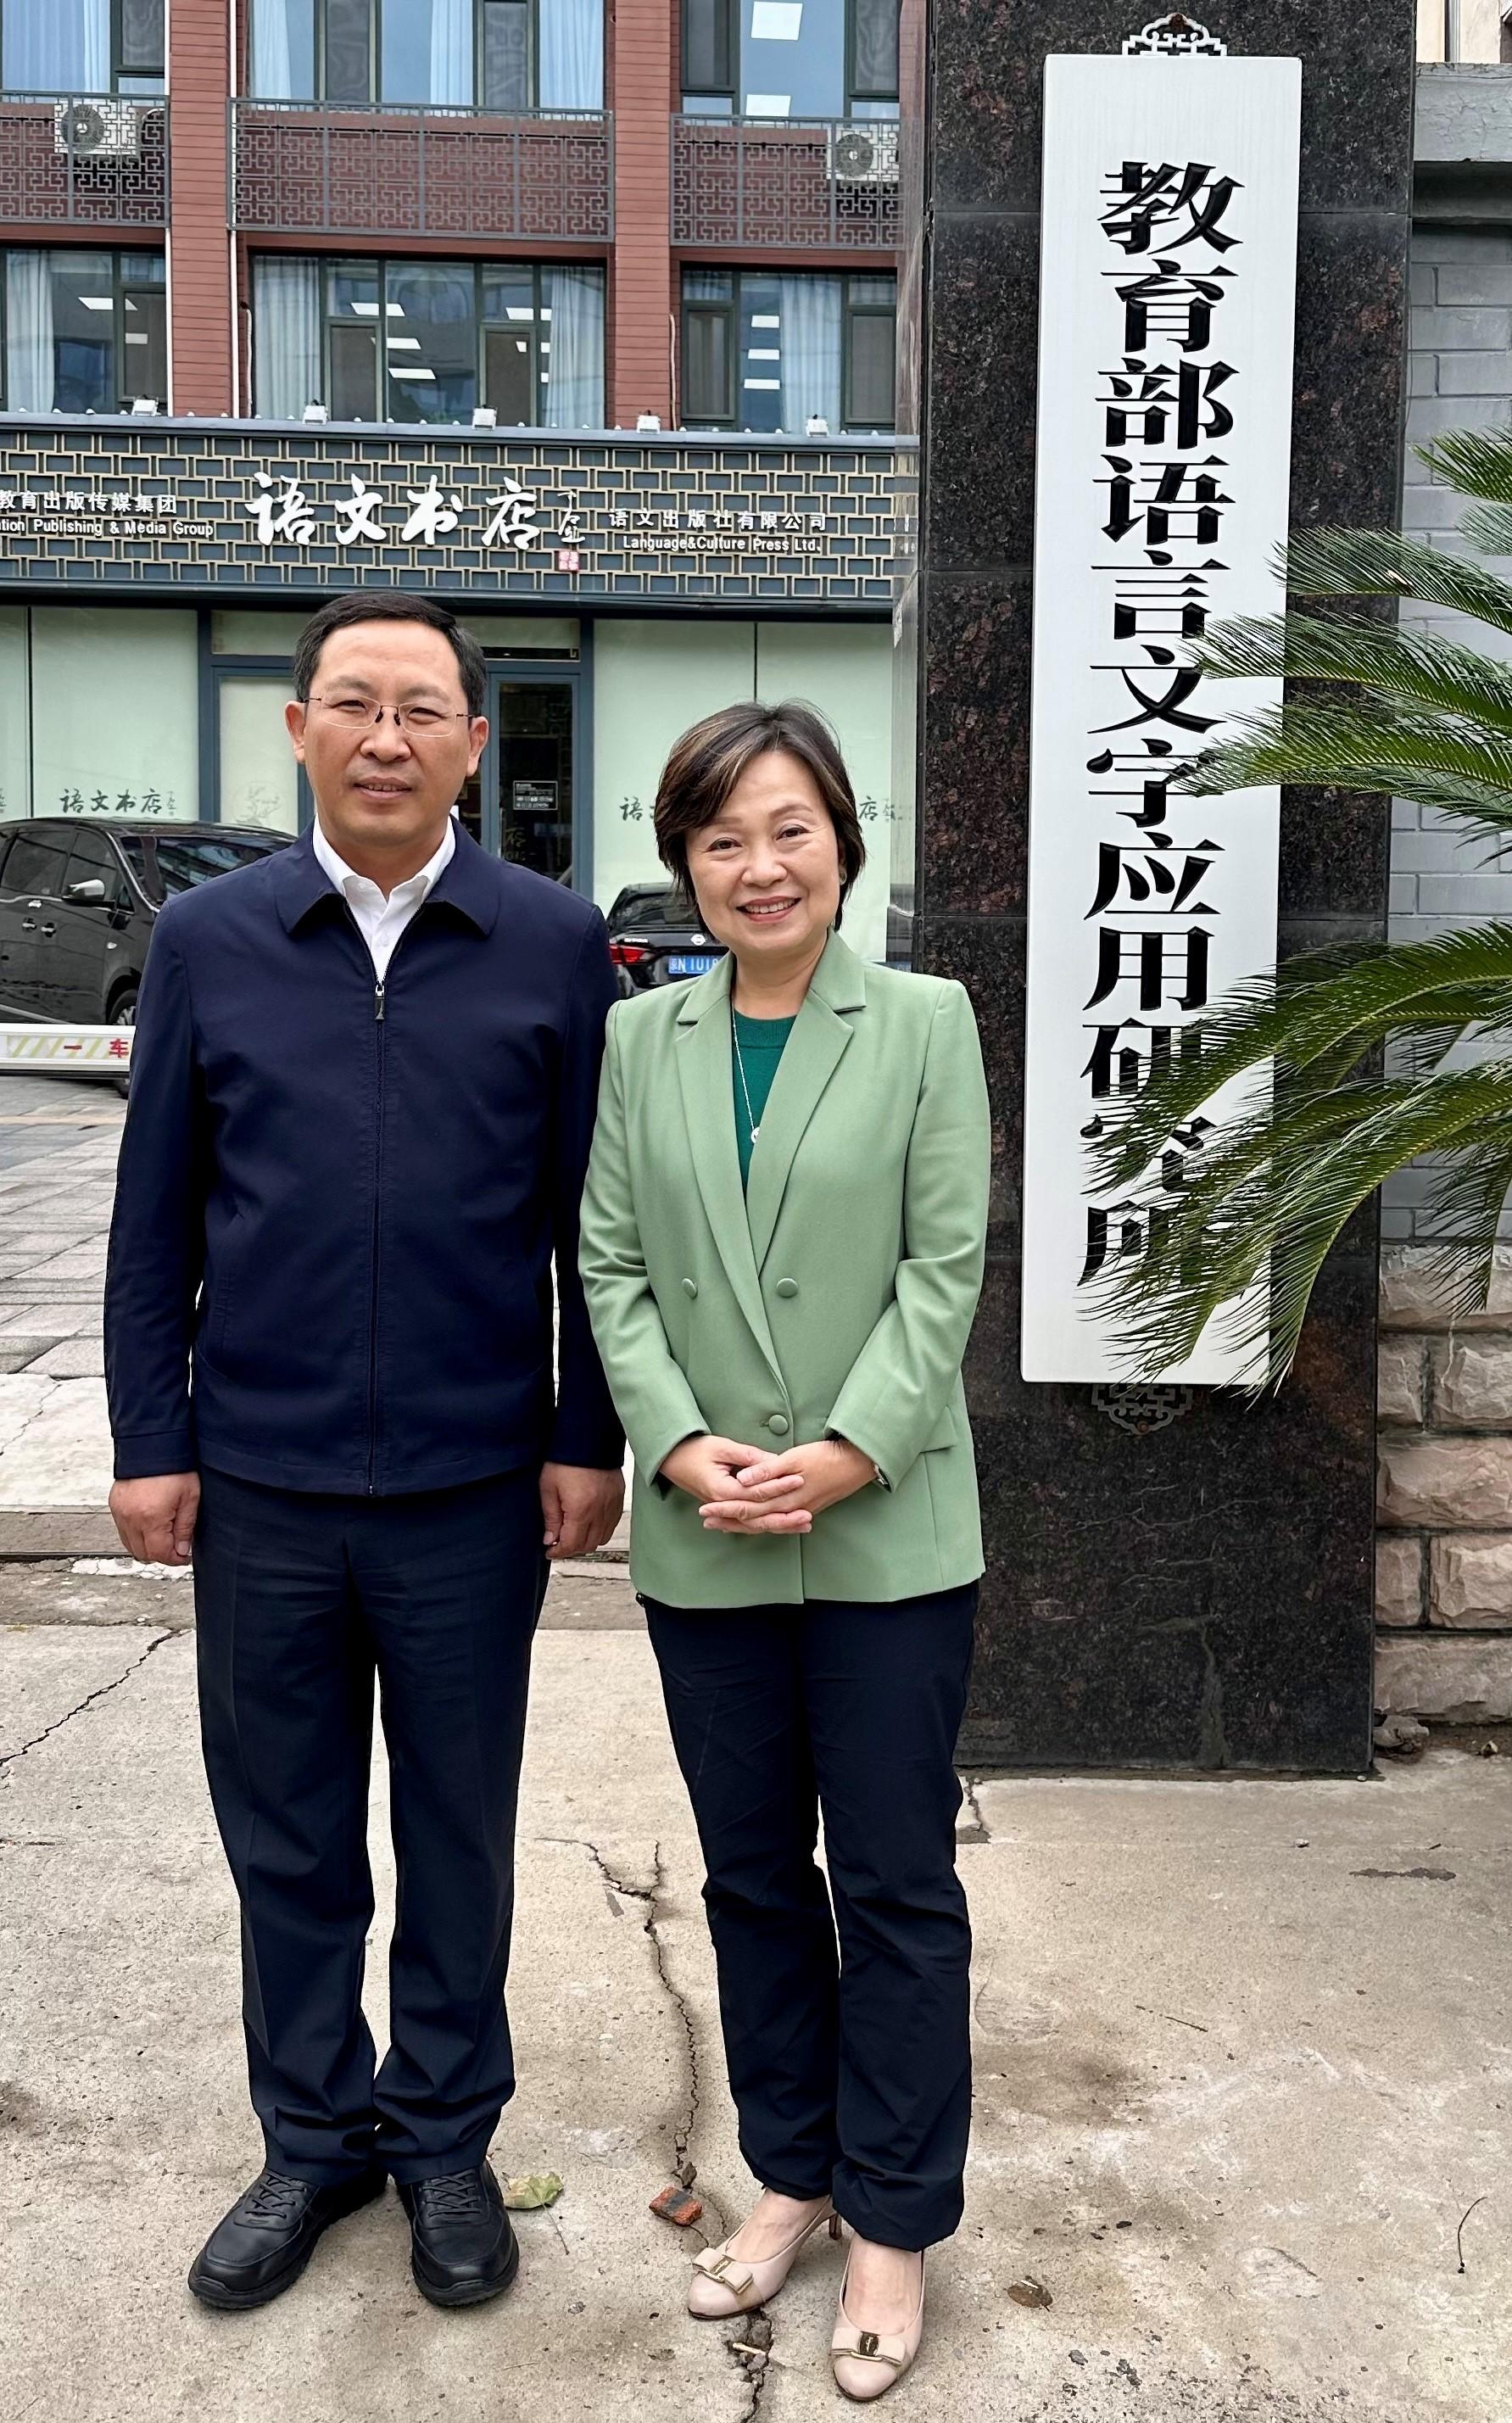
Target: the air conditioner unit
(864, 154)
(96, 129)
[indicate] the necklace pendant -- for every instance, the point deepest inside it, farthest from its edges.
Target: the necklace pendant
(754, 1134)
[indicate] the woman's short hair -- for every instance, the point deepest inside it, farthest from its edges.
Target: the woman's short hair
(709, 760)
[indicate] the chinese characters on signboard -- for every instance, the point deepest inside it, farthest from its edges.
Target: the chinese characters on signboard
(283, 513)
(79, 513)
(280, 510)
(1166, 318)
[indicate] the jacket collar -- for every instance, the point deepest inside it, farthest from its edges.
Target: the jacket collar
(467, 883)
(743, 1227)
(839, 982)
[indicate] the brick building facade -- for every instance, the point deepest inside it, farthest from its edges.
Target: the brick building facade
(579, 312)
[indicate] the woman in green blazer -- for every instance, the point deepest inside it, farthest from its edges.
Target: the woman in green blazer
(782, 1244)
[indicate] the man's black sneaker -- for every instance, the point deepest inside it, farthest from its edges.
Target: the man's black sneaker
(270, 2234)
(463, 2249)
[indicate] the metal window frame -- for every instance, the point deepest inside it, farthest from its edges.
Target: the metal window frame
(732, 312)
(375, 55)
(731, 90)
(117, 14)
(532, 56)
(119, 288)
(852, 95)
(849, 313)
(376, 50)
(380, 264)
(122, 288)
(214, 667)
(729, 314)
(527, 673)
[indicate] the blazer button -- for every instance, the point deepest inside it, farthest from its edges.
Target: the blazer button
(776, 1422)
(787, 1287)
(691, 1286)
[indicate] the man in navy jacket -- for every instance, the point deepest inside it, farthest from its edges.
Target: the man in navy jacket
(363, 1088)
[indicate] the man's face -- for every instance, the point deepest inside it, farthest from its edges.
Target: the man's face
(385, 792)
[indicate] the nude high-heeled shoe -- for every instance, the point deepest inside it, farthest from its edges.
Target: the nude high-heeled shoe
(725, 2284)
(867, 2364)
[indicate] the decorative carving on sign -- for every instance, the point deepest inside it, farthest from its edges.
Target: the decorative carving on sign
(1174, 38)
(1142, 1410)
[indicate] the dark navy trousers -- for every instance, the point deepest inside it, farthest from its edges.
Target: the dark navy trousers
(849, 2060)
(301, 1600)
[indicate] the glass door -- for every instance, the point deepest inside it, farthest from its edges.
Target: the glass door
(521, 801)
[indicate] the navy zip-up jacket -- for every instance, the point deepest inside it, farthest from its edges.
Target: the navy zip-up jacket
(339, 1202)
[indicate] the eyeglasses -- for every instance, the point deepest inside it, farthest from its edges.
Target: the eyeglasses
(356, 712)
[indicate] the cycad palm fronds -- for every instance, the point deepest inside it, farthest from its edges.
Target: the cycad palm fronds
(1319, 1127)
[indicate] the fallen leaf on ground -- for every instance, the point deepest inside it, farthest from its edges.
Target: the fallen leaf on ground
(528, 2193)
(1030, 2292)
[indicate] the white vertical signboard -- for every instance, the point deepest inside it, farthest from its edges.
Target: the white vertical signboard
(1165, 386)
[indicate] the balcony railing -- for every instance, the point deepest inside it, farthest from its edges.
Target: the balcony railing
(304, 167)
(83, 160)
(817, 184)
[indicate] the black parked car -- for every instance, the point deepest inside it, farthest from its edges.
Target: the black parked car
(78, 897)
(654, 941)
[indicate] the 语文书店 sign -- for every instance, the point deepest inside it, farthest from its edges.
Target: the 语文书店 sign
(1167, 289)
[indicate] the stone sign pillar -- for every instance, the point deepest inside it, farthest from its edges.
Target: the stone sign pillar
(1175, 1579)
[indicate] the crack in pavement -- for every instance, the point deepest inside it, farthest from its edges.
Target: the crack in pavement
(649, 1896)
(979, 1830)
(102, 1691)
(750, 2349)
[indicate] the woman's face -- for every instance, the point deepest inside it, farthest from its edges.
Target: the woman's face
(766, 871)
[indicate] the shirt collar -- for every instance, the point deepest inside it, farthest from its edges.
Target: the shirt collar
(470, 884)
(414, 887)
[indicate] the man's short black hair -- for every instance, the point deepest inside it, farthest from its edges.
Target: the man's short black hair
(390, 606)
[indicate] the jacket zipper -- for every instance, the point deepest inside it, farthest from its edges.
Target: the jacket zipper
(378, 1005)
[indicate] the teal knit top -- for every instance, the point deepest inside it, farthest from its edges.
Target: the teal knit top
(762, 1042)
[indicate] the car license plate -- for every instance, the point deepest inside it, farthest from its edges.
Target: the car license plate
(684, 964)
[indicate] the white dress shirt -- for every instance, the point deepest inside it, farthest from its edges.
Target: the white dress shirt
(381, 918)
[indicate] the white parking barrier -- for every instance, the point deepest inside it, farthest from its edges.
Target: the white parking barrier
(61, 1051)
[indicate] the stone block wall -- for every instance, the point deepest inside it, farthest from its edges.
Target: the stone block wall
(1443, 1553)
(1443, 1564)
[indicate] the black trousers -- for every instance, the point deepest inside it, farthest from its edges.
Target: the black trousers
(300, 1601)
(851, 2067)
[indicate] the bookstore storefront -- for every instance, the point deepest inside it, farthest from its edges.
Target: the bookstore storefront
(153, 582)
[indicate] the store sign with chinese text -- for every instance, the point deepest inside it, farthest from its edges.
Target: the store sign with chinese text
(92, 514)
(1165, 397)
(514, 518)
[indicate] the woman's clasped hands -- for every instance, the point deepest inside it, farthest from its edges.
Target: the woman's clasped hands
(741, 1489)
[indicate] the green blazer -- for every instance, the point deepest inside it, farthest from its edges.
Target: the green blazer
(838, 1295)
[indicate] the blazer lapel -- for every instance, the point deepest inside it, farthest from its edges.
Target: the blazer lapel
(706, 1079)
(819, 1038)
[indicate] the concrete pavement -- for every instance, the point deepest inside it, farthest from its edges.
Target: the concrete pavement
(1243, 2062)
(1242, 2065)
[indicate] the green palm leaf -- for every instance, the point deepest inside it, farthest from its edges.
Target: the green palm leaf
(1472, 462)
(1380, 563)
(1349, 1063)
(1279, 1217)
(1413, 669)
(1325, 1012)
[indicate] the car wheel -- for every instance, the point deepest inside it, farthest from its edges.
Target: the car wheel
(123, 1013)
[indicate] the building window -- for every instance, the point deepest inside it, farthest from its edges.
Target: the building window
(504, 54)
(774, 353)
(790, 59)
(82, 46)
(428, 341)
(83, 331)
(99, 711)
